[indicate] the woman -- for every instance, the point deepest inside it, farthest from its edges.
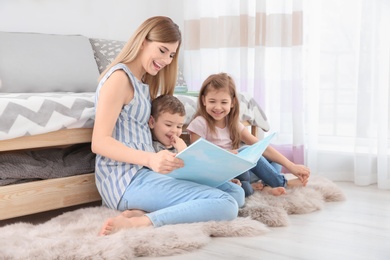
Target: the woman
(130, 176)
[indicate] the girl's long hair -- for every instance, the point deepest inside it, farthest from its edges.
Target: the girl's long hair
(156, 29)
(221, 81)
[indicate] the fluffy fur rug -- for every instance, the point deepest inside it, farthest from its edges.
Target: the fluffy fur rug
(73, 235)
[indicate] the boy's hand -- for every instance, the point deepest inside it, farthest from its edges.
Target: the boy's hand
(178, 143)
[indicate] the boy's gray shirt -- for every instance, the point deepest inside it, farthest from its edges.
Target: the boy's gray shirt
(159, 147)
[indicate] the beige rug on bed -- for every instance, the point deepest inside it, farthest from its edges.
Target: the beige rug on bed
(73, 235)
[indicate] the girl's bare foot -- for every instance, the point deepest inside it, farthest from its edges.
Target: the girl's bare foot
(133, 213)
(296, 183)
(112, 225)
(273, 191)
(277, 191)
(257, 186)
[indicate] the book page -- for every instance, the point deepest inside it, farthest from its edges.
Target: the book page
(208, 164)
(252, 153)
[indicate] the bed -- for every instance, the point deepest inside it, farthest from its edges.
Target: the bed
(54, 128)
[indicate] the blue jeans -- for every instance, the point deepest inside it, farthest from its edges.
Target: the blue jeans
(245, 179)
(171, 201)
(270, 173)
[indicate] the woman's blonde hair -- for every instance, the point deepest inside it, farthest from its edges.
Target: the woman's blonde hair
(221, 81)
(156, 29)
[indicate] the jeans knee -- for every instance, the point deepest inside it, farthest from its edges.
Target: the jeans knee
(240, 197)
(244, 176)
(232, 211)
(247, 187)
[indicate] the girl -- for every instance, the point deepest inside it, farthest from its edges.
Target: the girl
(129, 174)
(217, 120)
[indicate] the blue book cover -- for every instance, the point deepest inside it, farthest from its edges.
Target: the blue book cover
(207, 163)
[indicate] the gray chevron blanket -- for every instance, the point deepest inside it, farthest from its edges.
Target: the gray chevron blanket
(24, 114)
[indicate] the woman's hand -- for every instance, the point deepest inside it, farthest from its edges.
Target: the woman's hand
(165, 162)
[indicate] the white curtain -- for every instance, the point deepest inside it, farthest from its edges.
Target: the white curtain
(259, 43)
(319, 69)
(346, 61)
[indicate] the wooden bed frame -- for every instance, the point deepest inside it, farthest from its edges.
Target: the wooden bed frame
(38, 196)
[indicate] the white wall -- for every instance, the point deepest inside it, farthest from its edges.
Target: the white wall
(109, 19)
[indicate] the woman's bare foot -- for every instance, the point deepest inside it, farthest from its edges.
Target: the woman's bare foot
(296, 183)
(133, 213)
(119, 222)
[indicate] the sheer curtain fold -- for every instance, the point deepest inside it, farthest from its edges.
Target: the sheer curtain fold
(372, 139)
(259, 43)
(347, 63)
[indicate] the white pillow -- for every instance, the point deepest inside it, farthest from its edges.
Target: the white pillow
(34, 62)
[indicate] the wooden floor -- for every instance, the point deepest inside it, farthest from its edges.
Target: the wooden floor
(358, 228)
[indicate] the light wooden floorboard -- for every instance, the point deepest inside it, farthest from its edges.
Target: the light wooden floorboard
(358, 228)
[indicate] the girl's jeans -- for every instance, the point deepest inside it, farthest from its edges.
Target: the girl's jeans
(266, 171)
(269, 173)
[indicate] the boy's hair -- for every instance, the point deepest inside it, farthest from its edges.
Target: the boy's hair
(155, 29)
(167, 103)
(218, 82)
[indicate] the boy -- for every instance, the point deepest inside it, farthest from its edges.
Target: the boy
(166, 123)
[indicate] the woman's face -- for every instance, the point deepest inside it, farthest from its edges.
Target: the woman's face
(157, 55)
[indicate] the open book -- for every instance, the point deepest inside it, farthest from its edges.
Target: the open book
(207, 163)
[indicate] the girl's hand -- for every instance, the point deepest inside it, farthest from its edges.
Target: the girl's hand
(178, 143)
(164, 162)
(301, 171)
